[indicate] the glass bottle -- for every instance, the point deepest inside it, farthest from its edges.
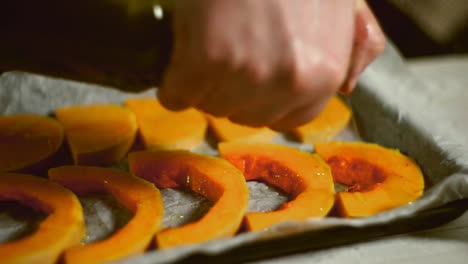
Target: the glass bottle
(125, 44)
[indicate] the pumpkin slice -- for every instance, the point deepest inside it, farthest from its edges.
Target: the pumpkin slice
(138, 195)
(331, 121)
(211, 177)
(164, 129)
(98, 134)
(28, 141)
(63, 227)
(225, 130)
(377, 178)
(303, 176)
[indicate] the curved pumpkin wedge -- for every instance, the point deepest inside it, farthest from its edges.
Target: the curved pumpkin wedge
(27, 140)
(303, 176)
(211, 177)
(63, 227)
(225, 130)
(331, 121)
(377, 178)
(162, 129)
(138, 195)
(98, 134)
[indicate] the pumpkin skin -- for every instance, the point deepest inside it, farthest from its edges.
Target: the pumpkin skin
(28, 142)
(162, 129)
(225, 130)
(324, 127)
(98, 135)
(138, 195)
(63, 227)
(211, 177)
(378, 178)
(303, 176)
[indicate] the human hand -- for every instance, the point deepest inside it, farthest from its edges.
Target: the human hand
(369, 42)
(267, 62)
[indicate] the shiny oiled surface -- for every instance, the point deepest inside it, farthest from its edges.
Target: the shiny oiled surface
(446, 81)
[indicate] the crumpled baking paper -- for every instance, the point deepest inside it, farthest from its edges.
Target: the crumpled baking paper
(382, 114)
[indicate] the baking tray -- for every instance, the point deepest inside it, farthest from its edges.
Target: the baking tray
(378, 118)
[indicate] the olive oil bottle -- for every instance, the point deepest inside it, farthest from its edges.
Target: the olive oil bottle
(125, 44)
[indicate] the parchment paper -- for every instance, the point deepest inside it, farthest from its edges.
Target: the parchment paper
(380, 116)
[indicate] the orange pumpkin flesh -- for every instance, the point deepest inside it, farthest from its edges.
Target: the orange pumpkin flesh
(225, 130)
(304, 177)
(164, 129)
(28, 140)
(137, 195)
(98, 134)
(378, 179)
(63, 227)
(211, 177)
(331, 121)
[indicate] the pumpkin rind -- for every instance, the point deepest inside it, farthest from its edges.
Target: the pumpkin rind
(324, 127)
(401, 182)
(98, 135)
(28, 140)
(137, 195)
(211, 177)
(164, 129)
(225, 130)
(63, 227)
(303, 176)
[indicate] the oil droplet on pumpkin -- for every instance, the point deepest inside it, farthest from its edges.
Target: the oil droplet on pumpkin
(176, 217)
(84, 239)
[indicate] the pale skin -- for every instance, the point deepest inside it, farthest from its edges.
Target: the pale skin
(272, 63)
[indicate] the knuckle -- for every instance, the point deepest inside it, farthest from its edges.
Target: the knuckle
(377, 43)
(258, 73)
(373, 36)
(295, 74)
(214, 53)
(335, 71)
(216, 56)
(320, 73)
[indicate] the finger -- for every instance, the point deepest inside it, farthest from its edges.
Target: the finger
(300, 115)
(236, 89)
(286, 95)
(185, 83)
(172, 93)
(190, 89)
(261, 112)
(223, 94)
(221, 101)
(174, 80)
(369, 42)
